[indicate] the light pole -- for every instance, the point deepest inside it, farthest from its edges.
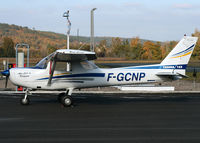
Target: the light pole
(66, 14)
(92, 30)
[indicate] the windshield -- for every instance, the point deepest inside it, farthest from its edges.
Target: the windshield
(43, 63)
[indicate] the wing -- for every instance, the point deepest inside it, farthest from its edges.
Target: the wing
(65, 55)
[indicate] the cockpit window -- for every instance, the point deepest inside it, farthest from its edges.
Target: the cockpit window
(43, 63)
(88, 65)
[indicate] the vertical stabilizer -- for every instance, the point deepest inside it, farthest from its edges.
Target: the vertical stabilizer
(182, 52)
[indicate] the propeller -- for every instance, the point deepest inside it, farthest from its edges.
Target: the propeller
(6, 73)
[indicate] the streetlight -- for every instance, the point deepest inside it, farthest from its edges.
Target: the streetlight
(92, 30)
(66, 14)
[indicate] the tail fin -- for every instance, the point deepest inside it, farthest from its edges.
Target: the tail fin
(182, 52)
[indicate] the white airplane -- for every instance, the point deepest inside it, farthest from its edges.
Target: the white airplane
(84, 74)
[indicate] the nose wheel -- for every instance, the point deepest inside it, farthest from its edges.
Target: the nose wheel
(25, 100)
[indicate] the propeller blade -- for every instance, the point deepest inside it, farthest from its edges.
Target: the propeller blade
(6, 73)
(6, 83)
(52, 69)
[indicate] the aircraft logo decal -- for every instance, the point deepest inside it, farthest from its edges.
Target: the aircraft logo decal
(183, 53)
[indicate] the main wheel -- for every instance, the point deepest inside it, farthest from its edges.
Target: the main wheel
(66, 101)
(25, 101)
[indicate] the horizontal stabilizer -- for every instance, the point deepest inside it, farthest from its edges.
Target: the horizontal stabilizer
(170, 74)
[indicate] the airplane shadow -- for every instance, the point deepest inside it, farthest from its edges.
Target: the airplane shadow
(98, 99)
(107, 99)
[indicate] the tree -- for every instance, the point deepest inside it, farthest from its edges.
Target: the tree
(51, 49)
(120, 48)
(101, 48)
(85, 46)
(125, 49)
(156, 51)
(196, 53)
(8, 47)
(1, 52)
(135, 48)
(146, 50)
(116, 46)
(163, 51)
(151, 51)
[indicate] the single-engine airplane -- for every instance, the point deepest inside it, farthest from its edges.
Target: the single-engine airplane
(84, 73)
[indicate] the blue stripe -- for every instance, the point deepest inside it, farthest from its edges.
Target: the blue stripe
(190, 48)
(160, 67)
(77, 75)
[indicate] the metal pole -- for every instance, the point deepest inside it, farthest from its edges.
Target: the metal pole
(28, 55)
(66, 14)
(16, 56)
(78, 35)
(92, 30)
(67, 42)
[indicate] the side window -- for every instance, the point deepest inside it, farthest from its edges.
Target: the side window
(88, 65)
(62, 66)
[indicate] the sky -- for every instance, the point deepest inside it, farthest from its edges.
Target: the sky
(159, 20)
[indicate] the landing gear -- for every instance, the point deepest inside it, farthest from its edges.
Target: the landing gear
(25, 100)
(65, 98)
(66, 101)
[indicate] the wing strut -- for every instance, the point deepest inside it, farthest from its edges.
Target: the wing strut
(51, 70)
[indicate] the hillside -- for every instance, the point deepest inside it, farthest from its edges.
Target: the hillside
(43, 43)
(36, 39)
(40, 39)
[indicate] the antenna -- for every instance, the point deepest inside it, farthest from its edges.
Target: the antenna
(66, 14)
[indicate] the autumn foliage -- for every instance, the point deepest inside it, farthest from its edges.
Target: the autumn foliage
(43, 43)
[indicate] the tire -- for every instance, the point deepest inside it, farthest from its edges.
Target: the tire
(66, 101)
(25, 101)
